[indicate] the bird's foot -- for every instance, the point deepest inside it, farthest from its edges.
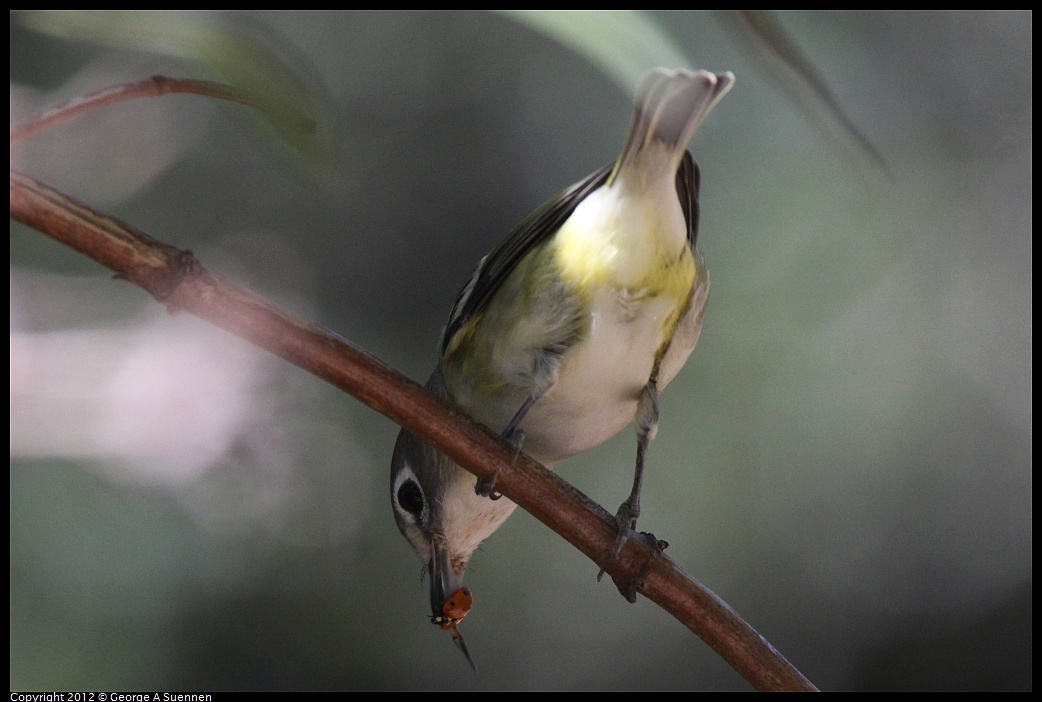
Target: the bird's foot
(626, 522)
(486, 487)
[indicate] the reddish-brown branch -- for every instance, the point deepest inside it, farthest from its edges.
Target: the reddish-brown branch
(150, 87)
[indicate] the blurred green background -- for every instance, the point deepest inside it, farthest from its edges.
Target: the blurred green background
(846, 460)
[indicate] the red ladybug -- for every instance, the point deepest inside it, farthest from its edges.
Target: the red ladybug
(453, 610)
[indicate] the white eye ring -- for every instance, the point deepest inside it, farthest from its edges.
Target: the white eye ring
(405, 475)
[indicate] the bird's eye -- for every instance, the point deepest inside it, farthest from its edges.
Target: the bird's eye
(410, 497)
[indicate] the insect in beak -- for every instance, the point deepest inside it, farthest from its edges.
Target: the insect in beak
(453, 611)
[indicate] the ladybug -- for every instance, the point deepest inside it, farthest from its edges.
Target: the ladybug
(453, 610)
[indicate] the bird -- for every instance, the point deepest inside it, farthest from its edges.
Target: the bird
(568, 330)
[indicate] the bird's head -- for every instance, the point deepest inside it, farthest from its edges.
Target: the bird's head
(439, 513)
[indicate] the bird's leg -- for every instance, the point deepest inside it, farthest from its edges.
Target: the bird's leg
(486, 486)
(626, 517)
(545, 364)
(647, 426)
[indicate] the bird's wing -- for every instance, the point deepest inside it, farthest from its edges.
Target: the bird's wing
(689, 326)
(494, 268)
(688, 182)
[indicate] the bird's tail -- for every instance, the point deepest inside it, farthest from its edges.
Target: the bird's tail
(670, 107)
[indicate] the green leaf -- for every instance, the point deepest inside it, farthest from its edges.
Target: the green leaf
(622, 43)
(243, 53)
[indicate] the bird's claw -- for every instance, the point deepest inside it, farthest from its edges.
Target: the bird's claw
(486, 487)
(626, 523)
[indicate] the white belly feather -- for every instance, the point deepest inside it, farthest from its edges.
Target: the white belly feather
(600, 379)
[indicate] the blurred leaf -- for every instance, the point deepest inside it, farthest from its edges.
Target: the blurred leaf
(622, 43)
(780, 53)
(245, 54)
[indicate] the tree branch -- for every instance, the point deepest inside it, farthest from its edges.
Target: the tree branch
(150, 87)
(177, 279)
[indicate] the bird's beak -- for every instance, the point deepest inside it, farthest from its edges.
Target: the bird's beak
(444, 579)
(450, 601)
